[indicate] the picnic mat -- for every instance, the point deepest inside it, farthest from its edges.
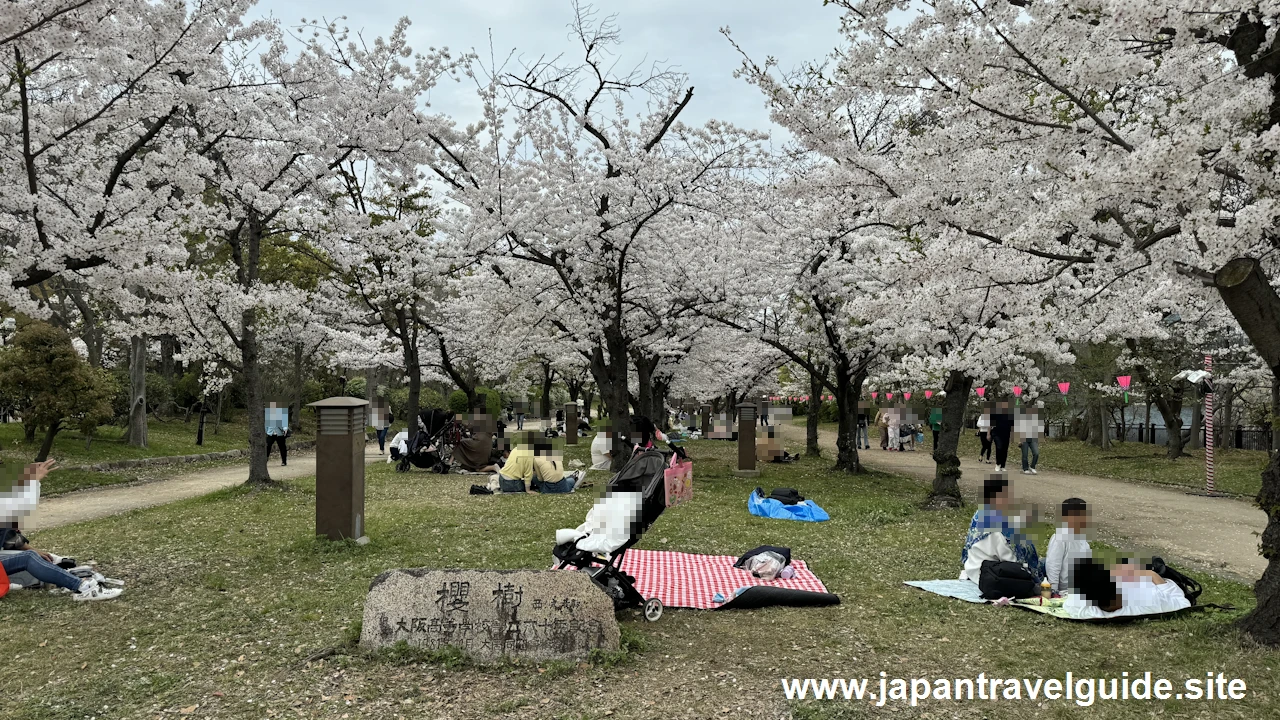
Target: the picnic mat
(959, 589)
(690, 581)
(968, 591)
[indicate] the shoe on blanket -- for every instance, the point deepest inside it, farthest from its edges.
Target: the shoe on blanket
(91, 590)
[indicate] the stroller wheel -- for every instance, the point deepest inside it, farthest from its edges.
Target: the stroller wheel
(652, 609)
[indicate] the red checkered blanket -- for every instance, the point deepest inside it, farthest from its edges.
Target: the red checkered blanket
(687, 580)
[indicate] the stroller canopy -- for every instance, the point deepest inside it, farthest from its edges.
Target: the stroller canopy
(433, 420)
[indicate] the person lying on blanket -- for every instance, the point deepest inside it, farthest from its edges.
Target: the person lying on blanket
(998, 532)
(1123, 590)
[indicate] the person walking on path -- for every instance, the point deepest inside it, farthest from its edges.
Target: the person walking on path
(1029, 428)
(382, 419)
(862, 440)
(984, 434)
(1002, 432)
(277, 419)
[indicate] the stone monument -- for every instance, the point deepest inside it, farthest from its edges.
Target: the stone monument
(489, 614)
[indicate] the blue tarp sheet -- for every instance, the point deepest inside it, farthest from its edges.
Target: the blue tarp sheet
(807, 511)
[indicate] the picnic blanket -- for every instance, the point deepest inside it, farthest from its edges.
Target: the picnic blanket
(968, 591)
(691, 581)
(959, 589)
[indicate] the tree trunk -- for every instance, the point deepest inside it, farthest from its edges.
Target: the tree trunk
(1275, 415)
(217, 419)
(1197, 422)
(946, 478)
(811, 447)
(91, 331)
(1249, 296)
(1263, 624)
(295, 403)
(166, 357)
(136, 434)
(413, 366)
(548, 375)
(28, 430)
(589, 396)
(661, 388)
(465, 382)
(609, 366)
(251, 367)
(1223, 432)
(848, 388)
(46, 447)
(1102, 426)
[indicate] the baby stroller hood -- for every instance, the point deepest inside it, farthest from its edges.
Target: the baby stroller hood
(638, 471)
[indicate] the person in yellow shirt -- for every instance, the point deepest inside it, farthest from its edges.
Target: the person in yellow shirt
(535, 464)
(518, 470)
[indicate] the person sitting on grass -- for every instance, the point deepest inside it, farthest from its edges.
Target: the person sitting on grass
(997, 533)
(548, 471)
(1068, 545)
(38, 563)
(1123, 590)
(517, 472)
(602, 450)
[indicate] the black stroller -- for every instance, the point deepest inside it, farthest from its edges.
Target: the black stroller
(432, 447)
(643, 474)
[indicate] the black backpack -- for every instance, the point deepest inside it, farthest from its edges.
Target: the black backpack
(999, 578)
(786, 496)
(1190, 587)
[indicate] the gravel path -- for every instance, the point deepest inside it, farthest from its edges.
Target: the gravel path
(102, 502)
(1219, 535)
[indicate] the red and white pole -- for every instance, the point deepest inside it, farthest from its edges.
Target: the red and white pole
(1208, 428)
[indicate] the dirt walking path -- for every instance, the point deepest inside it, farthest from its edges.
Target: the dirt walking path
(1219, 535)
(102, 502)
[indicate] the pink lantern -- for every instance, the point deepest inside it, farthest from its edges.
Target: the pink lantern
(906, 395)
(805, 398)
(1063, 387)
(888, 396)
(1017, 391)
(1124, 380)
(875, 395)
(982, 392)
(928, 394)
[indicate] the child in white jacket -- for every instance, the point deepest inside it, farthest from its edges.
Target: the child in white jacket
(1068, 545)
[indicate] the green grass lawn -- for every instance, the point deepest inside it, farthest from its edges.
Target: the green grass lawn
(229, 595)
(1238, 472)
(164, 438)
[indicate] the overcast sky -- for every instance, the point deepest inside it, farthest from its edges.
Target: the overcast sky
(683, 33)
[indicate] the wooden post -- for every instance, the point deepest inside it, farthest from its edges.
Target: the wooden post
(747, 441)
(571, 423)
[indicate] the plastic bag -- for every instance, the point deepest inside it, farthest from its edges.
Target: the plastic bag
(766, 565)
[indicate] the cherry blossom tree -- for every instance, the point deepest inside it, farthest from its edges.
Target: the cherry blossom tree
(1130, 142)
(573, 188)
